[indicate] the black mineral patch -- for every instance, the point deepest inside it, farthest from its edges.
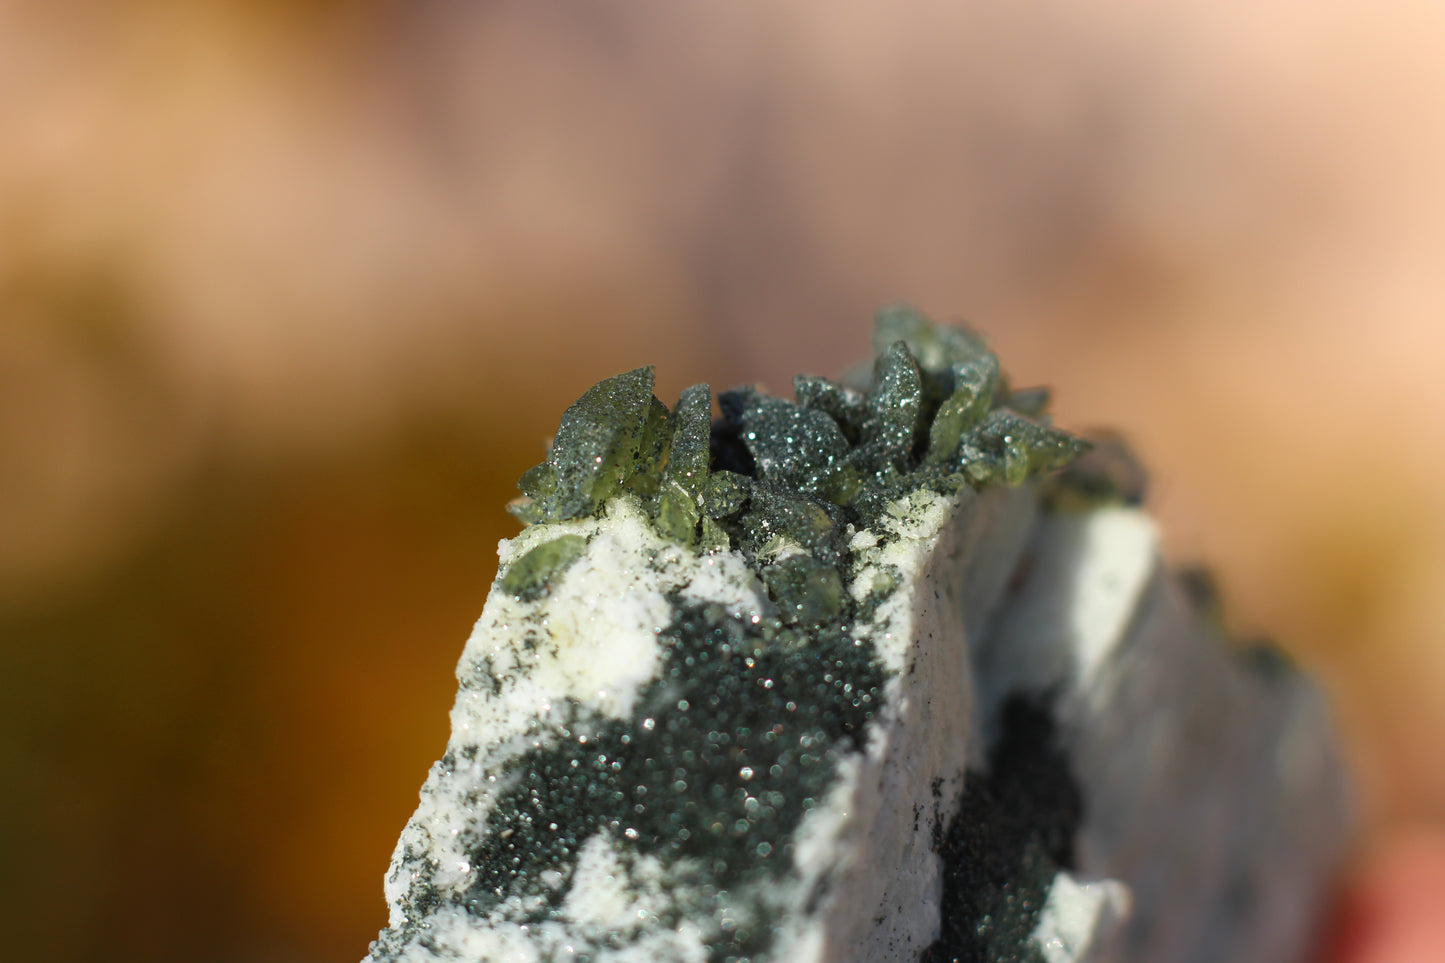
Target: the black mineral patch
(1201, 590)
(1014, 830)
(1267, 660)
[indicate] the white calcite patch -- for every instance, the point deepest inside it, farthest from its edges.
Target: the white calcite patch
(1080, 919)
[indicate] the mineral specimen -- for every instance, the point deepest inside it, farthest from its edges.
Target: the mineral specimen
(857, 677)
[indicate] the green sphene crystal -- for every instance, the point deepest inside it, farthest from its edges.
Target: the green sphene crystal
(808, 592)
(936, 347)
(685, 479)
(974, 383)
(892, 426)
(778, 516)
(783, 481)
(615, 433)
(530, 576)
(1022, 446)
(1107, 474)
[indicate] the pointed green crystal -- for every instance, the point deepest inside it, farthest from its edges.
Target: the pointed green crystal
(616, 430)
(894, 411)
(966, 405)
(530, 576)
(684, 483)
(1024, 447)
(936, 347)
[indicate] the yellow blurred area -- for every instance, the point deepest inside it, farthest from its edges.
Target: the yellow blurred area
(291, 293)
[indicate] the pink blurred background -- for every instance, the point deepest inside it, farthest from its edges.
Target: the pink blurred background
(290, 293)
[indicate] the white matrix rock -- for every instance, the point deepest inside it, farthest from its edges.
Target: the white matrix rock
(1213, 803)
(817, 709)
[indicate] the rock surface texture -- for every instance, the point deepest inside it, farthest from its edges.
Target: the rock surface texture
(885, 673)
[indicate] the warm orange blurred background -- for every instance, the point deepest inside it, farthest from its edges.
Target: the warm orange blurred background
(290, 293)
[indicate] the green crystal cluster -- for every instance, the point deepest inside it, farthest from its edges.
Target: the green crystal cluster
(783, 480)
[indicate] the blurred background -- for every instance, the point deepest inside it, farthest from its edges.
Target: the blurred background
(290, 293)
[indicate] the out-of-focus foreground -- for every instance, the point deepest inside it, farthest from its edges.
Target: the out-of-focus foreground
(291, 293)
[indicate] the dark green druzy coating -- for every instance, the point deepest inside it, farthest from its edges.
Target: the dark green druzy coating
(1014, 830)
(776, 514)
(727, 492)
(727, 749)
(688, 461)
(792, 446)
